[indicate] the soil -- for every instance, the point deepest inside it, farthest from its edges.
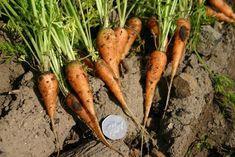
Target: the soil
(194, 124)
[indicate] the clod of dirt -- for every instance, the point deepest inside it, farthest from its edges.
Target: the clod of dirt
(209, 38)
(186, 112)
(9, 72)
(185, 85)
(196, 113)
(94, 149)
(25, 129)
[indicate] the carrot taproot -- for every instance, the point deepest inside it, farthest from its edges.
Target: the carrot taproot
(106, 45)
(78, 80)
(122, 38)
(73, 102)
(156, 66)
(134, 26)
(76, 106)
(219, 16)
(181, 37)
(223, 7)
(48, 87)
(104, 72)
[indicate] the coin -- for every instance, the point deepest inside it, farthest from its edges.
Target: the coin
(114, 127)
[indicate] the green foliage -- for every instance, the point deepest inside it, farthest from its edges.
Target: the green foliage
(224, 87)
(198, 18)
(10, 50)
(203, 143)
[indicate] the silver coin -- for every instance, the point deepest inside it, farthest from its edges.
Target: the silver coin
(114, 127)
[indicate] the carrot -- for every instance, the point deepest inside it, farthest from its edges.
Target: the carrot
(78, 80)
(106, 45)
(219, 16)
(155, 30)
(153, 26)
(122, 38)
(222, 6)
(49, 87)
(76, 106)
(156, 66)
(181, 38)
(134, 26)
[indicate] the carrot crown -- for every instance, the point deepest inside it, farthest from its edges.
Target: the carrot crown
(185, 8)
(104, 8)
(122, 11)
(166, 14)
(82, 24)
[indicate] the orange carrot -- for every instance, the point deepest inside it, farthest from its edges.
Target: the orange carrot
(153, 26)
(106, 44)
(105, 73)
(122, 38)
(134, 26)
(222, 6)
(78, 80)
(49, 87)
(181, 38)
(219, 16)
(76, 106)
(156, 66)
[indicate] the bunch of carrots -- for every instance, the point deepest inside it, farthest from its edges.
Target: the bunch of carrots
(54, 31)
(223, 11)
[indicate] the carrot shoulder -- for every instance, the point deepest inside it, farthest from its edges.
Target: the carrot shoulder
(106, 44)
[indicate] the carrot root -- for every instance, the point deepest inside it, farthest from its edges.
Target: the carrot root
(49, 87)
(155, 69)
(134, 26)
(78, 80)
(92, 123)
(181, 37)
(106, 44)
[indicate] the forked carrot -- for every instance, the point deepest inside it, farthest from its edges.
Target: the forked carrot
(181, 37)
(222, 6)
